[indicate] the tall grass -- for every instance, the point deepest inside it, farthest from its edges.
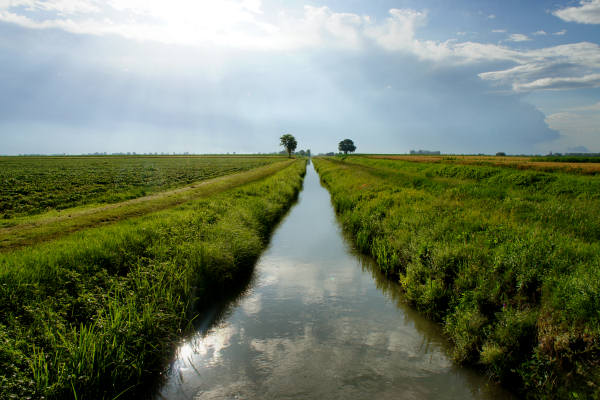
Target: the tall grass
(93, 315)
(507, 260)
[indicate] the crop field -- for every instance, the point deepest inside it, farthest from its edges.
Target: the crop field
(577, 165)
(35, 185)
(97, 313)
(506, 259)
(24, 231)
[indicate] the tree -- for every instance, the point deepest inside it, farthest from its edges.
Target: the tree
(289, 142)
(346, 146)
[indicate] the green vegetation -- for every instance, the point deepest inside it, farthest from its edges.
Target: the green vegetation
(289, 143)
(507, 260)
(347, 145)
(51, 225)
(97, 313)
(34, 185)
(569, 159)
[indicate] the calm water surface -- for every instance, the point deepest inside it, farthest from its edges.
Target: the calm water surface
(318, 322)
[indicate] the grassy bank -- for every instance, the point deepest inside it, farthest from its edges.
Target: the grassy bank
(507, 260)
(97, 313)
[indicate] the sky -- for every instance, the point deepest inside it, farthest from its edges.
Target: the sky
(84, 76)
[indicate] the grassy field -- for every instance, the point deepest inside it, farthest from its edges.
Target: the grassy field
(51, 225)
(577, 165)
(96, 313)
(508, 260)
(35, 185)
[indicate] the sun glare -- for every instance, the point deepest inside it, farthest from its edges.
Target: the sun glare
(193, 22)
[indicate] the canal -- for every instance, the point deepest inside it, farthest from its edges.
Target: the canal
(317, 321)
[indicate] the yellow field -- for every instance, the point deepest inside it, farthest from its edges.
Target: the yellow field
(509, 161)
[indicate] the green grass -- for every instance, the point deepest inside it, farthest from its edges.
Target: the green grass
(97, 313)
(30, 230)
(34, 185)
(507, 260)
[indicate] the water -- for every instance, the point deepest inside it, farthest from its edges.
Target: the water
(317, 321)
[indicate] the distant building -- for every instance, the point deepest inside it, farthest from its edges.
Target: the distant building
(425, 152)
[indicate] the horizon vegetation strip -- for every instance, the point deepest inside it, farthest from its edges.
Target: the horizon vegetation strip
(98, 312)
(508, 261)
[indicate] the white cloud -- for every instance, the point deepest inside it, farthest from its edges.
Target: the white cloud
(559, 83)
(540, 33)
(63, 7)
(498, 30)
(579, 126)
(567, 66)
(491, 16)
(398, 31)
(587, 13)
(560, 33)
(244, 24)
(518, 37)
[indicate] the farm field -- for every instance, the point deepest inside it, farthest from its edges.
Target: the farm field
(95, 313)
(506, 259)
(35, 185)
(580, 165)
(51, 225)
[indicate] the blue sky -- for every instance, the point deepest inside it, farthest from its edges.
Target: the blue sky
(232, 76)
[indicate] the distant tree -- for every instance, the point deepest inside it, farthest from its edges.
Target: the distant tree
(346, 146)
(307, 152)
(500, 154)
(289, 143)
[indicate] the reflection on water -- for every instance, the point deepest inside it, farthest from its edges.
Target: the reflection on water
(317, 321)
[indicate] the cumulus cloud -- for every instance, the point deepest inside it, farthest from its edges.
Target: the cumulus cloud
(560, 33)
(540, 33)
(588, 12)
